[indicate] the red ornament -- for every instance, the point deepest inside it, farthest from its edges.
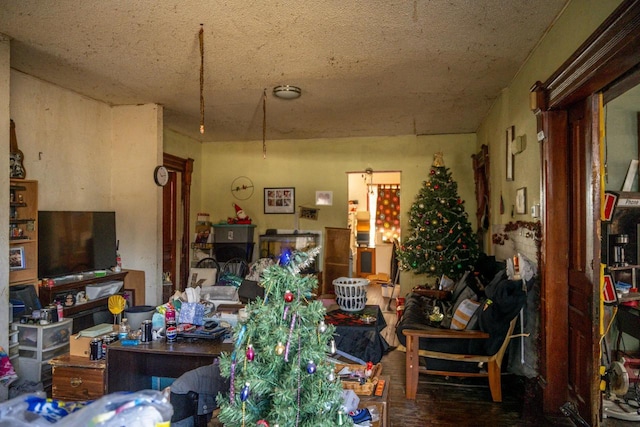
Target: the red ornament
(262, 423)
(436, 186)
(433, 172)
(288, 296)
(251, 354)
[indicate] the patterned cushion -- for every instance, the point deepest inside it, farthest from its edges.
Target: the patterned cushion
(463, 313)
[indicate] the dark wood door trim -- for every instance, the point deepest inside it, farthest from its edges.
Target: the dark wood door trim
(185, 167)
(602, 62)
(610, 52)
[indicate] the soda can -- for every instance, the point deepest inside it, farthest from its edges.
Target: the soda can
(146, 331)
(95, 349)
(172, 331)
(106, 340)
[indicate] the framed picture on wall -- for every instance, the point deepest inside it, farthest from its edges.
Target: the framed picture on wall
(324, 198)
(510, 135)
(521, 200)
(280, 200)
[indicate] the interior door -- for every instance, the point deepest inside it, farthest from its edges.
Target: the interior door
(583, 319)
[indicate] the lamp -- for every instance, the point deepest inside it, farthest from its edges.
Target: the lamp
(287, 92)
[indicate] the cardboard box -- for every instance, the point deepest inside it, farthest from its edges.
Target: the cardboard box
(79, 344)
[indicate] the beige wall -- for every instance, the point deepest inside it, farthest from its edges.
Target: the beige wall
(322, 164)
(578, 21)
(87, 155)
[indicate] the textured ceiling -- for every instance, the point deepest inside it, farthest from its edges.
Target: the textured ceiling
(366, 68)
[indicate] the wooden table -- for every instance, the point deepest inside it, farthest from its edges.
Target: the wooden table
(130, 368)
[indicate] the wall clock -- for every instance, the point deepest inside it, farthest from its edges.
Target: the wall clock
(161, 176)
(242, 188)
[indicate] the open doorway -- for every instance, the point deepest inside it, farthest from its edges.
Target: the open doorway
(374, 218)
(176, 201)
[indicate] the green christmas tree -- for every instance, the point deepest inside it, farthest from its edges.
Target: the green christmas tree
(440, 239)
(279, 371)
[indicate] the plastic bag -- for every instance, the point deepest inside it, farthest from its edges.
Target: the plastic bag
(35, 410)
(145, 408)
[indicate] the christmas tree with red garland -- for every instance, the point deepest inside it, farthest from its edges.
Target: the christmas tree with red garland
(279, 372)
(440, 240)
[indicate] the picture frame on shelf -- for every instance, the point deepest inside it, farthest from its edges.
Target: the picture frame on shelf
(129, 296)
(17, 258)
(510, 135)
(279, 200)
(521, 200)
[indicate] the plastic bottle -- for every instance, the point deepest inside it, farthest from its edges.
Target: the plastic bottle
(60, 311)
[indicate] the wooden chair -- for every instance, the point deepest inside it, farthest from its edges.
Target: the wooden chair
(493, 363)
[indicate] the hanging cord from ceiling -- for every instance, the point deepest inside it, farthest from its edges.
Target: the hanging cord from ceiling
(264, 124)
(201, 38)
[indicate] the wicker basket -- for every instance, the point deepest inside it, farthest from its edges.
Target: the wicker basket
(368, 387)
(351, 294)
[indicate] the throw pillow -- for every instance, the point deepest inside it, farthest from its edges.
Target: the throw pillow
(463, 314)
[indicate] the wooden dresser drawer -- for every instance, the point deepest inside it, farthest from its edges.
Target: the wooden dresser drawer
(76, 379)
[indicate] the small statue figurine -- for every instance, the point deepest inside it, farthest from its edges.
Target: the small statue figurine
(240, 218)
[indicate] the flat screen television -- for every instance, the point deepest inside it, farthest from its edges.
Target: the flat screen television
(74, 242)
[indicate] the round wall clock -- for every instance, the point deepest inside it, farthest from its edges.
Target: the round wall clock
(161, 176)
(242, 188)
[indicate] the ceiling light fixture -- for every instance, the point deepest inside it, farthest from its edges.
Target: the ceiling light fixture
(287, 92)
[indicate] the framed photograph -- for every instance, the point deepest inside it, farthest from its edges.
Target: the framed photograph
(324, 198)
(16, 258)
(511, 130)
(280, 200)
(521, 200)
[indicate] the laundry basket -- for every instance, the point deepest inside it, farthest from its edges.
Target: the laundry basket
(351, 294)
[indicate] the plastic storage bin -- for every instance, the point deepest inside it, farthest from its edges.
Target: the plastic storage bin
(38, 344)
(351, 293)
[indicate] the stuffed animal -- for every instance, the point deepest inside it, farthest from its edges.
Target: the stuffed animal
(240, 218)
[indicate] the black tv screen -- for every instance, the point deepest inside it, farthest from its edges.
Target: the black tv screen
(74, 242)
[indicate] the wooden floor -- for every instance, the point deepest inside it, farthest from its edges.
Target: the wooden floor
(444, 401)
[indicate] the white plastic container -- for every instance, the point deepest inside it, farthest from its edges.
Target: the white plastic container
(351, 293)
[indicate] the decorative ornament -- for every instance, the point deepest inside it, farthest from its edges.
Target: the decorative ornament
(439, 247)
(433, 172)
(432, 267)
(288, 296)
(279, 349)
(244, 393)
(331, 377)
(240, 218)
(311, 367)
(322, 327)
(436, 186)
(285, 257)
(332, 347)
(262, 423)
(341, 418)
(251, 354)
(242, 188)
(438, 159)
(369, 369)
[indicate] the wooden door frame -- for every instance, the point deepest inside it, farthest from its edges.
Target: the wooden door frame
(608, 56)
(185, 167)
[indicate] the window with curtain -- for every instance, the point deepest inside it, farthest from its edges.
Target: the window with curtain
(388, 212)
